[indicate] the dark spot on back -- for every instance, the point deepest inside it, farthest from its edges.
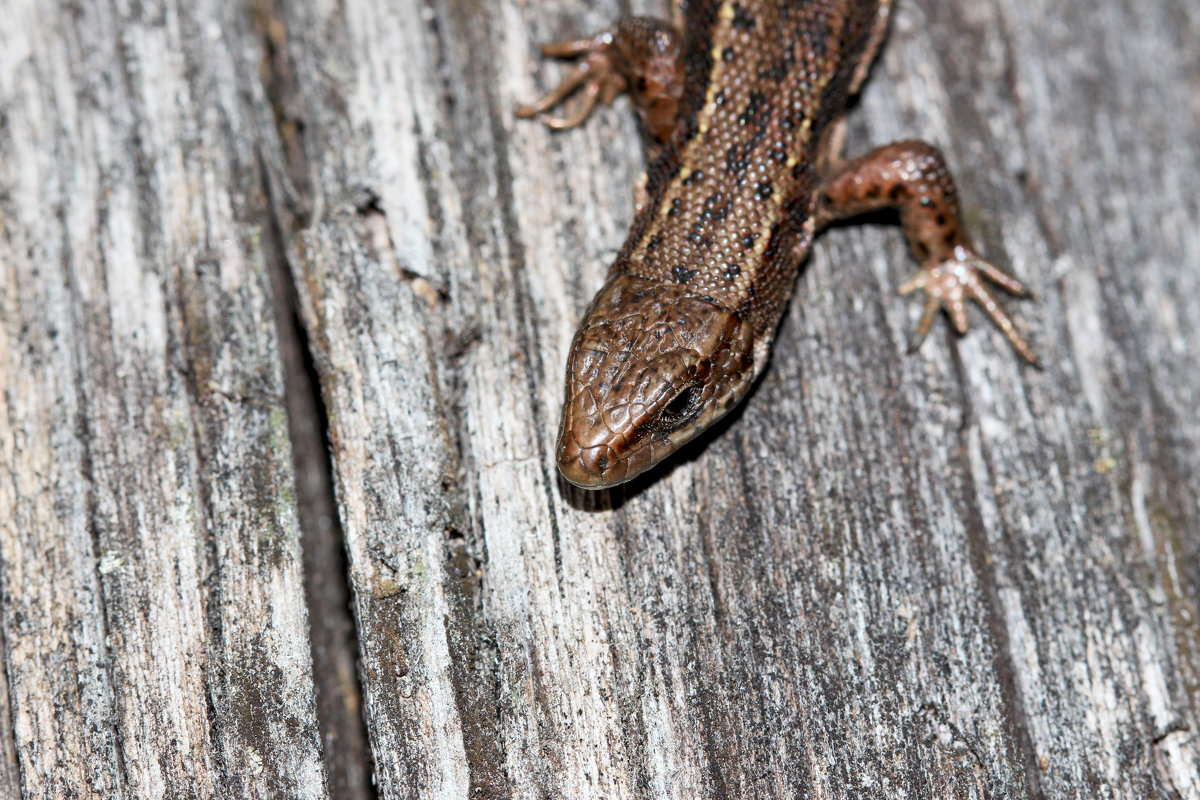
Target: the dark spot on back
(689, 126)
(715, 208)
(754, 108)
(742, 19)
(781, 68)
(737, 157)
(682, 274)
(820, 38)
(795, 115)
(763, 190)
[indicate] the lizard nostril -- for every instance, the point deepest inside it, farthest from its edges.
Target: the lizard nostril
(590, 465)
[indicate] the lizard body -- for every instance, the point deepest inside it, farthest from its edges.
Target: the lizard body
(741, 103)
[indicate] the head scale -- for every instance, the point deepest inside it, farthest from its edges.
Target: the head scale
(651, 367)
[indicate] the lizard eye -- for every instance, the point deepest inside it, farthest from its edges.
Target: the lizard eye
(681, 407)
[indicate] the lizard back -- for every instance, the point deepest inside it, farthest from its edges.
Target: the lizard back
(730, 196)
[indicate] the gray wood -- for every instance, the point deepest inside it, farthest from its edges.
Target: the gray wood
(939, 574)
(153, 611)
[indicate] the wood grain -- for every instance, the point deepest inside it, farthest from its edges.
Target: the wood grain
(154, 621)
(894, 575)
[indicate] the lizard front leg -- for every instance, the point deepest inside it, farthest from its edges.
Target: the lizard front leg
(641, 55)
(912, 177)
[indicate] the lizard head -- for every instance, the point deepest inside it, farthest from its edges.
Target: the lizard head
(650, 368)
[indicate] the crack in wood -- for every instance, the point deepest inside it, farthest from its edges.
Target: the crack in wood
(328, 592)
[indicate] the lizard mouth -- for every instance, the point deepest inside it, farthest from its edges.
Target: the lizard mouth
(596, 454)
(603, 465)
(622, 456)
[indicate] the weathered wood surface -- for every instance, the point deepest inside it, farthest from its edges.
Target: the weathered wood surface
(931, 575)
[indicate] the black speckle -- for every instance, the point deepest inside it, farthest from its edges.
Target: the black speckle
(682, 274)
(896, 190)
(742, 19)
(695, 176)
(727, 55)
(941, 219)
(793, 120)
(653, 244)
(602, 463)
(676, 206)
(781, 68)
(748, 240)
(737, 158)
(732, 271)
(763, 190)
(719, 98)
(820, 38)
(715, 208)
(689, 126)
(754, 108)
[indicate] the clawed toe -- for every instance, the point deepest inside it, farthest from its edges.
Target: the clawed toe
(952, 283)
(594, 76)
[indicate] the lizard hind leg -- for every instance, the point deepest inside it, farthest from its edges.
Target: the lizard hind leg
(912, 178)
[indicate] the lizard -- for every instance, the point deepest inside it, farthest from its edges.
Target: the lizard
(741, 103)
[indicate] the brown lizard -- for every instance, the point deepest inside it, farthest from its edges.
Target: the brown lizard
(742, 104)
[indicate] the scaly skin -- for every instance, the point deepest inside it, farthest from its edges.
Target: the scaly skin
(741, 109)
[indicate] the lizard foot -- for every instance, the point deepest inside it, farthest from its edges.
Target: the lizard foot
(596, 74)
(951, 283)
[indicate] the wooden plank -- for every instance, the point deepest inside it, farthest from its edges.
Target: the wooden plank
(889, 575)
(153, 612)
(926, 575)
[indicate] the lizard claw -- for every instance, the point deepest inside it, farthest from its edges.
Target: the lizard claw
(951, 283)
